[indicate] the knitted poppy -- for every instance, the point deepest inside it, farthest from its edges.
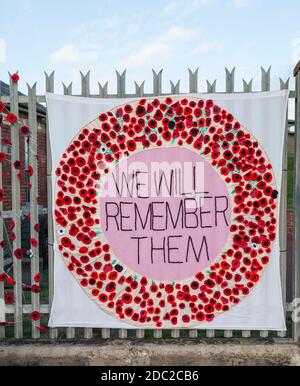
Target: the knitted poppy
(15, 77)
(10, 280)
(11, 118)
(35, 316)
(42, 329)
(3, 156)
(30, 171)
(2, 106)
(9, 298)
(17, 165)
(25, 130)
(3, 277)
(36, 289)
(37, 228)
(33, 242)
(19, 253)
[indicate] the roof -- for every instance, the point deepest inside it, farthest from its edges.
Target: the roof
(4, 91)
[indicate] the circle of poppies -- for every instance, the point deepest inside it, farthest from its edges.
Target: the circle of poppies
(199, 125)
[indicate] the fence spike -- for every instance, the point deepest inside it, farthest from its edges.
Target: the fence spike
(248, 86)
(121, 84)
(175, 88)
(193, 81)
(139, 90)
(157, 82)
(103, 90)
(31, 89)
(266, 79)
(211, 87)
(49, 81)
(85, 83)
(284, 85)
(230, 80)
(68, 89)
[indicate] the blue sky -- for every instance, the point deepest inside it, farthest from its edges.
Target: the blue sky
(104, 35)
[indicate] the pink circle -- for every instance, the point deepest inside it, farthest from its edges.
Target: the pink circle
(166, 223)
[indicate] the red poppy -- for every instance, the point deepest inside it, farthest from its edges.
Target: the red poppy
(35, 316)
(3, 277)
(36, 289)
(19, 253)
(131, 145)
(3, 156)
(25, 130)
(17, 165)
(9, 298)
(33, 242)
(140, 111)
(11, 118)
(42, 329)
(6, 324)
(10, 281)
(37, 228)
(2, 107)
(15, 77)
(30, 171)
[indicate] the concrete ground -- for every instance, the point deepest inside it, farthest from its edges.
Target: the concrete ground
(138, 353)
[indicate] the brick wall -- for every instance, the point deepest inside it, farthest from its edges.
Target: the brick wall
(42, 165)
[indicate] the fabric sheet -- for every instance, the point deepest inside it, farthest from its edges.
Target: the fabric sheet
(264, 115)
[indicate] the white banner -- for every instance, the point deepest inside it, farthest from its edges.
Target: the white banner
(264, 116)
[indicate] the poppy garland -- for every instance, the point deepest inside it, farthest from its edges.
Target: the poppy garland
(205, 128)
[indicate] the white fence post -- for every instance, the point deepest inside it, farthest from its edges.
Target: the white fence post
(34, 214)
(266, 79)
(53, 333)
(157, 83)
(193, 79)
(230, 80)
(16, 198)
(211, 87)
(297, 201)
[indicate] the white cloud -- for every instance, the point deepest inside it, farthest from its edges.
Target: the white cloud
(161, 47)
(132, 29)
(71, 54)
(201, 3)
(206, 47)
(296, 50)
(171, 6)
(2, 51)
(178, 5)
(66, 54)
(239, 3)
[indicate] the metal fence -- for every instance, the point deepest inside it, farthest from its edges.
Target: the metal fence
(18, 312)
